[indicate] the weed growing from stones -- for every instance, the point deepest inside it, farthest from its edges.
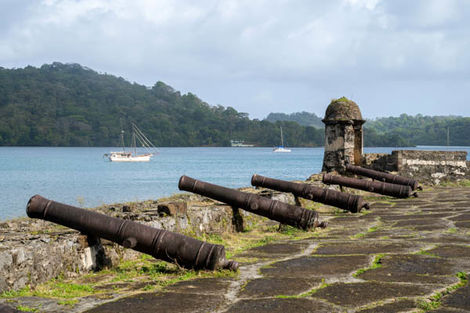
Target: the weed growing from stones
(69, 303)
(426, 252)
(434, 301)
(376, 263)
(24, 308)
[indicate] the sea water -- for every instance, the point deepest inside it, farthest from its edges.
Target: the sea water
(82, 177)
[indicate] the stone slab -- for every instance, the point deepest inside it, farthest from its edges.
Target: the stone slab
(395, 306)
(412, 269)
(464, 224)
(459, 299)
(270, 287)
(162, 302)
(204, 286)
(307, 267)
(361, 247)
(461, 217)
(281, 306)
(452, 251)
(360, 294)
(277, 249)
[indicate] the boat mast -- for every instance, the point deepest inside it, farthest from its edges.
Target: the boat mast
(282, 140)
(122, 135)
(134, 144)
(122, 141)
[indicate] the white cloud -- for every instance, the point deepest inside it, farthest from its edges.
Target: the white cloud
(368, 4)
(285, 49)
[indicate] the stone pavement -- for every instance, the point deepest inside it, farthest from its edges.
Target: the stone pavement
(407, 255)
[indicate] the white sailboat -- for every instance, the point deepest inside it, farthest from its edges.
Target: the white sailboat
(281, 149)
(131, 155)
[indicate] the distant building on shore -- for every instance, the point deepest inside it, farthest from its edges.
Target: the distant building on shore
(240, 143)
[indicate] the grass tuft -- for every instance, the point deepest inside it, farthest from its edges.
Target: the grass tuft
(376, 263)
(435, 301)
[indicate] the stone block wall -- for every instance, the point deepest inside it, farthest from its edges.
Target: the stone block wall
(430, 167)
(339, 146)
(34, 251)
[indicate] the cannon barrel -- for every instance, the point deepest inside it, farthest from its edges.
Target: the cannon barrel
(272, 209)
(381, 176)
(335, 198)
(161, 244)
(393, 190)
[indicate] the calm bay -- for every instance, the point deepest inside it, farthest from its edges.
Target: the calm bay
(82, 177)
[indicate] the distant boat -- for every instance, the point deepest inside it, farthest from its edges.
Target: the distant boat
(131, 155)
(281, 149)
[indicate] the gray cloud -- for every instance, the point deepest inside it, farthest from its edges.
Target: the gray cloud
(390, 56)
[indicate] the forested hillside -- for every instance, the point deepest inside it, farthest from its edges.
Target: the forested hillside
(70, 105)
(303, 118)
(419, 130)
(402, 131)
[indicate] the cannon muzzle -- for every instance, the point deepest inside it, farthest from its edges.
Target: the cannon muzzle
(393, 190)
(161, 244)
(381, 176)
(272, 209)
(335, 198)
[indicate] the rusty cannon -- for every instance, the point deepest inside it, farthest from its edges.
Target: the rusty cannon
(393, 190)
(335, 198)
(272, 209)
(161, 244)
(382, 176)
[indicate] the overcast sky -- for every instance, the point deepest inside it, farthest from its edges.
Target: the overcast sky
(390, 56)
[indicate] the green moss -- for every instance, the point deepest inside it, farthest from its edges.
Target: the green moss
(434, 301)
(70, 303)
(53, 289)
(376, 263)
(463, 277)
(291, 231)
(460, 183)
(358, 235)
(342, 99)
(426, 252)
(431, 303)
(373, 229)
(286, 297)
(24, 308)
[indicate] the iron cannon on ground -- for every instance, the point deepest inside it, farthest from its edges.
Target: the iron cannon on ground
(335, 198)
(161, 244)
(393, 190)
(382, 176)
(272, 209)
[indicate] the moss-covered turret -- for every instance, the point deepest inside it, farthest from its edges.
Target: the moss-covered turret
(342, 109)
(343, 135)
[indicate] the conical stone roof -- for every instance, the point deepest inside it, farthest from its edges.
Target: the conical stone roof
(343, 109)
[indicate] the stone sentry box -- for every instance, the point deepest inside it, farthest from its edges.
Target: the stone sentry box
(344, 145)
(343, 135)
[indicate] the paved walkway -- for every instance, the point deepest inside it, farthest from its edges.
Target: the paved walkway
(407, 255)
(393, 259)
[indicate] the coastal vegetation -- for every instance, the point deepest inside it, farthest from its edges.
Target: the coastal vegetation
(303, 118)
(402, 131)
(71, 105)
